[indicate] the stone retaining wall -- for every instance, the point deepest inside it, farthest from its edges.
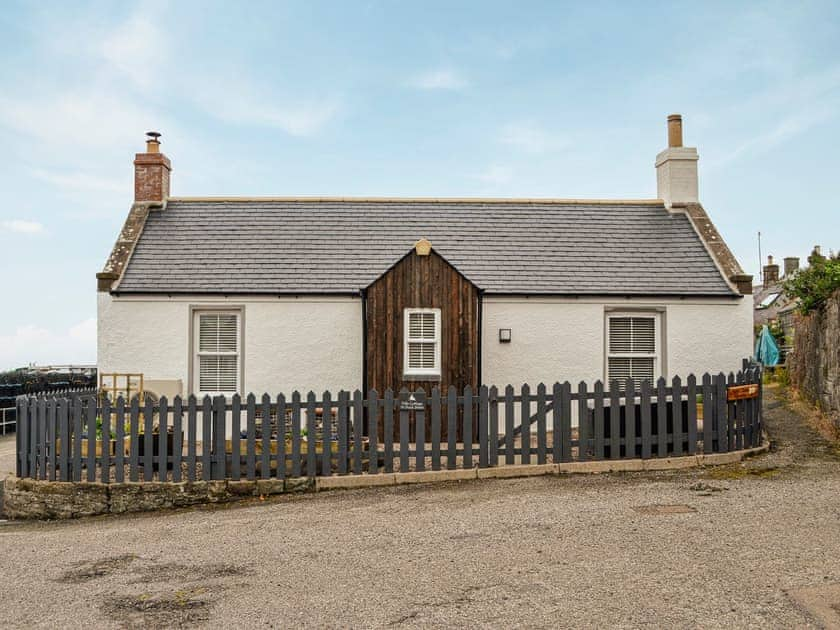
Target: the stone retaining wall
(815, 361)
(31, 499)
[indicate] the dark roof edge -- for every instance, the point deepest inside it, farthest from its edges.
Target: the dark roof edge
(499, 200)
(682, 296)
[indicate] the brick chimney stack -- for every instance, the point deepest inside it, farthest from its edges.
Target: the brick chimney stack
(771, 273)
(151, 172)
(676, 168)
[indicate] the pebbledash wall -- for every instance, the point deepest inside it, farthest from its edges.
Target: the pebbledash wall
(315, 343)
(564, 339)
(307, 343)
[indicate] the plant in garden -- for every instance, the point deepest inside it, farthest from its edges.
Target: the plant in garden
(816, 283)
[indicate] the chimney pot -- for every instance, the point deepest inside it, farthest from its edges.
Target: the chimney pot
(152, 142)
(675, 138)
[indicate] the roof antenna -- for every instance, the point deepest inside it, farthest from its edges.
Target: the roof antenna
(760, 259)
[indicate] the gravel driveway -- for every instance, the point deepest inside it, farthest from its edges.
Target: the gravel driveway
(750, 545)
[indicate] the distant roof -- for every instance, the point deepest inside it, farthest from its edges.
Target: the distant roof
(333, 246)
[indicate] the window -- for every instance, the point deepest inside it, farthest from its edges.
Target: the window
(633, 347)
(768, 300)
(421, 347)
(217, 352)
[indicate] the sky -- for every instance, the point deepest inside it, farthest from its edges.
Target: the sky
(499, 99)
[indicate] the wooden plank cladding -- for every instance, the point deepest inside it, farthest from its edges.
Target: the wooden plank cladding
(422, 281)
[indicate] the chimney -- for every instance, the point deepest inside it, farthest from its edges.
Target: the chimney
(791, 265)
(676, 168)
(151, 172)
(771, 273)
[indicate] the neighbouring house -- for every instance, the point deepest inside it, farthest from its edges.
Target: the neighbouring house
(210, 295)
(772, 306)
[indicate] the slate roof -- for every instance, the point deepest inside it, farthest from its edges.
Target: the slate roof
(342, 245)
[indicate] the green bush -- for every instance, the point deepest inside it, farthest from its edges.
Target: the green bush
(816, 283)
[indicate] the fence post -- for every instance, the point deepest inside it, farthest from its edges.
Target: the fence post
(509, 436)
(645, 418)
(483, 412)
(192, 437)
(691, 408)
(106, 439)
(373, 431)
(630, 419)
(542, 443)
(311, 454)
(708, 414)
(452, 428)
(134, 444)
(436, 416)
(265, 455)
(525, 423)
(295, 435)
(358, 420)
(676, 406)
(219, 442)
(493, 454)
(177, 438)
(598, 419)
(91, 434)
(661, 418)
(468, 436)
(720, 412)
(420, 430)
(21, 434)
(583, 423)
(281, 438)
(206, 439)
(388, 430)
(326, 432)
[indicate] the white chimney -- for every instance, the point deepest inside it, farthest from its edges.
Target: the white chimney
(676, 168)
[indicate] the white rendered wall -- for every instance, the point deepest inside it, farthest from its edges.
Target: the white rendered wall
(289, 343)
(561, 339)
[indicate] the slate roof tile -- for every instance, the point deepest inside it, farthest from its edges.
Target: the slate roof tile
(326, 246)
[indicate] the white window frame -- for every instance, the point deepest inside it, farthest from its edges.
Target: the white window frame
(195, 353)
(409, 372)
(657, 341)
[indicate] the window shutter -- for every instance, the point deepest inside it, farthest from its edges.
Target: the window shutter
(640, 368)
(629, 336)
(217, 332)
(422, 353)
(218, 352)
(421, 326)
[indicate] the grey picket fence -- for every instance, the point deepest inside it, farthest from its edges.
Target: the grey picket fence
(64, 437)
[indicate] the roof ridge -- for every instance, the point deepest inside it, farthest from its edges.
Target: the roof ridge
(499, 200)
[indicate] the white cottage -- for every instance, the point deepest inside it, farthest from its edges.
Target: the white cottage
(209, 295)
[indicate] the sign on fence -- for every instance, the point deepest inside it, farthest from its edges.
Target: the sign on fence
(742, 392)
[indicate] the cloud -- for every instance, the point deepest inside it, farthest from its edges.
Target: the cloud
(21, 226)
(35, 344)
(530, 137)
(137, 49)
(80, 181)
(495, 175)
(93, 118)
(296, 120)
(441, 79)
